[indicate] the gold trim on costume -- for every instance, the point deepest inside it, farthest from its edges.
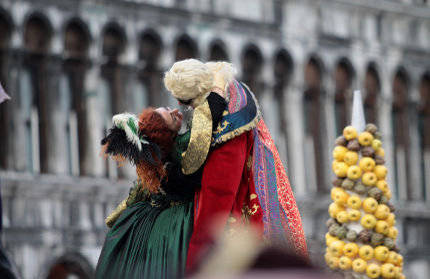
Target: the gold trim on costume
(111, 219)
(200, 139)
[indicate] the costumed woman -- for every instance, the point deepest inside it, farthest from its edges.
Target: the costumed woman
(150, 230)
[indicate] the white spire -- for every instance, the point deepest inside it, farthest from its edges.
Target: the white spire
(358, 120)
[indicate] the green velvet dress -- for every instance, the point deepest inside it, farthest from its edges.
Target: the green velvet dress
(150, 238)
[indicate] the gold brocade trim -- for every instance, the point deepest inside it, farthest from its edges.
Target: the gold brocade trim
(200, 139)
(245, 128)
(111, 219)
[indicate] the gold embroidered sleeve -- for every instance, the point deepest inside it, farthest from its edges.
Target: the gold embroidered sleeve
(200, 139)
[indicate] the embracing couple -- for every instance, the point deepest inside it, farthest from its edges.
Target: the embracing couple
(223, 172)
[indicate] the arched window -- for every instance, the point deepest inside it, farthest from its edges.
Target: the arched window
(185, 48)
(343, 77)
(217, 51)
(372, 88)
(76, 43)
(314, 118)
(150, 74)
(71, 265)
(424, 131)
(5, 108)
(252, 63)
(112, 88)
(283, 68)
(37, 38)
(400, 118)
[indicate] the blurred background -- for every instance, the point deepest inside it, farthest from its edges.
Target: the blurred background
(69, 65)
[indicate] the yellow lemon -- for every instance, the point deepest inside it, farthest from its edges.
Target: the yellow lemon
(365, 138)
(350, 250)
(349, 132)
(345, 263)
(354, 215)
(381, 227)
(368, 221)
(350, 158)
(340, 197)
(382, 211)
(392, 232)
(359, 265)
(369, 205)
(354, 202)
(369, 178)
(367, 164)
(388, 271)
(340, 169)
(381, 253)
(380, 152)
(336, 248)
(382, 185)
(391, 219)
(342, 217)
(380, 171)
(376, 144)
(334, 209)
(373, 270)
(365, 252)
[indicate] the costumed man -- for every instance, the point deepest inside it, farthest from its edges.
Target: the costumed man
(243, 179)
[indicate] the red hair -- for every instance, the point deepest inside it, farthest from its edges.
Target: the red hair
(153, 126)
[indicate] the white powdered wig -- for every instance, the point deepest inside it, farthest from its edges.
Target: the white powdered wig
(189, 79)
(227, 70)
(129, 123)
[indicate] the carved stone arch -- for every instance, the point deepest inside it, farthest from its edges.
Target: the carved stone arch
(218, 51)
(372, 89)
(343, 76)
(401, 83)
(186, 48)
(150, 46)
(70, 264)
(314, 123)
(114, 41)
(38, 32)
(77, 38)
(283, 67)
(252, 64)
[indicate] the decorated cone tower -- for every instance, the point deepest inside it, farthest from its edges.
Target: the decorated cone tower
(361, 230)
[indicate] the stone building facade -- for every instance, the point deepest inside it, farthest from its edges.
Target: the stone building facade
(70, 65)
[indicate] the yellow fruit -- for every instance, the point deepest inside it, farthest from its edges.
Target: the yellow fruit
(350, 158)
(345, 263)
(368, 221)
(373, 270)
(340, 169)
(381, 227)
(399, 260)
(359, 265)
(336, 248)
(365, 138)
(382, 211)
(366, 252)
(342, 217)
(350, 250)
(388, 271)
(354, 172)
(354, 202)
(380, 171)
(334, 209)
(376, 144)
(382, 185)
(333, 262)
(329, 241)
(354, 215)
(327, 257)
(381, 253)
(392, 257)
(349, 132)
(334, 191)
(401, 276)
(369, 178)
(340, 197)
(369, 205)
(388, 194)
(396, 272)
(380, 152)
(333, 165)
(391, 219)
(392, 232)
(367, 164)
(339, 152)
